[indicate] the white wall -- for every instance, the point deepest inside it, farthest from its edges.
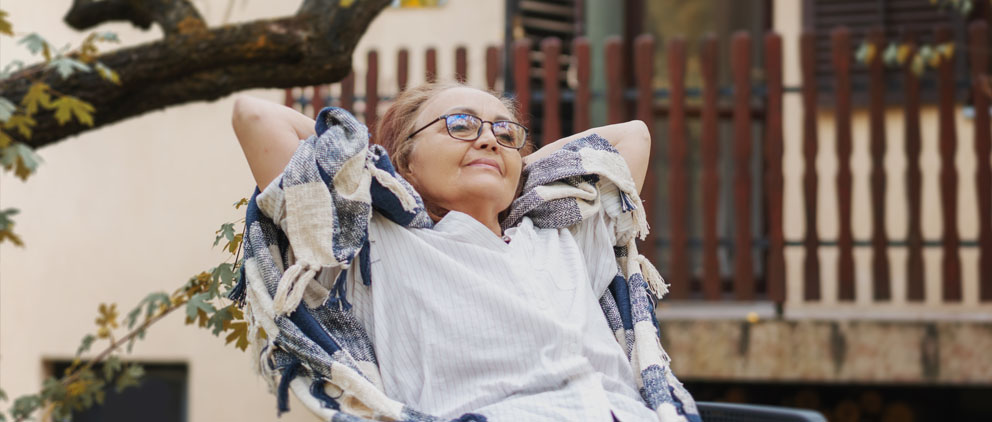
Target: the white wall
(131, 208)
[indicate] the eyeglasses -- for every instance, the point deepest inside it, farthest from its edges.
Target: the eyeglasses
(467, 127)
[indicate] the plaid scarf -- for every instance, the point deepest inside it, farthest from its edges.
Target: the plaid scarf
(310, 226)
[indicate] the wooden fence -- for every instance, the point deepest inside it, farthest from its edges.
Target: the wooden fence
(650, 104)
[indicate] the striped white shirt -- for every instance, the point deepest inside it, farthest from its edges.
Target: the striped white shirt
(465, 322)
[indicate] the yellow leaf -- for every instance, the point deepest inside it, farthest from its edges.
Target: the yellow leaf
(108, 315)
(346, 3)
(870, 51)
(5, 140)
(242, 201)
(108, 73)
(904, 51)
(234, 244)
(21, 169)
(946, 50)
(5, 27)
(22, 123)
(76, 388)
(8, 234)
(239, 332)
(37, 96)
(67, 106)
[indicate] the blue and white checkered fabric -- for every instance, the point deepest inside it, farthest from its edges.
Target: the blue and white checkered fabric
(310, 226)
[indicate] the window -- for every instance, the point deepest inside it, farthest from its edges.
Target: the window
(161, 397)
(894, 17)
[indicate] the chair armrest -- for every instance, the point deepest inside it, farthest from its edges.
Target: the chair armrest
(734, 412)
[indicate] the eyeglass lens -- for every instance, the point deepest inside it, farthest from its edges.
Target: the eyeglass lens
(466, 127)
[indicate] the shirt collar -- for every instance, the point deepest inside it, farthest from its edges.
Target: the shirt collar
(463, 227)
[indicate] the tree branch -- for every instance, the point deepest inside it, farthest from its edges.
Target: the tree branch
(173, 16)
(312, 47)
(85, 14)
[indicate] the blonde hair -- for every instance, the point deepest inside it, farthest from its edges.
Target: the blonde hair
(396, 125)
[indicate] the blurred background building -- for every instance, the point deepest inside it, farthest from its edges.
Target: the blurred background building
(824, 219)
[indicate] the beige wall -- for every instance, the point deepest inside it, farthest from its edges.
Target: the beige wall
(128, 209)
(788, 22)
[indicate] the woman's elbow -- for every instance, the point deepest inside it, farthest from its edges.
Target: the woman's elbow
(245, 111)
(642, 133)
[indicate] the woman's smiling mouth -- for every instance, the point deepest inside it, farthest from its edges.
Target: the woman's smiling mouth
(486, 163)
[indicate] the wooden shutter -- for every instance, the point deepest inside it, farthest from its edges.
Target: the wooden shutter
(537, 20)
(894, 16)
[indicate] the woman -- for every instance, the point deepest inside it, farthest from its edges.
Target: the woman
(537, 345)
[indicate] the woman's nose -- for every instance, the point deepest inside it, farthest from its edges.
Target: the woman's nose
(486, 140)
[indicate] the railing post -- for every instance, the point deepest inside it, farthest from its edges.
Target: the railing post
(615, 110)
(677, 154)
(948, 139)
(492, 66)
(402, 69)
(840, 40)
(811, 240)
(461, 64)
(580, 48)
(521, 78)
(775, 264)
(880, 256)
(915, 289)
(372, 91)
(740, 64)
(710, 150)
(430, 65)
(551, 124)
(981, 90)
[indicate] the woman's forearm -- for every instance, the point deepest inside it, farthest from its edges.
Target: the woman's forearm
(269, 134)
(632, 139)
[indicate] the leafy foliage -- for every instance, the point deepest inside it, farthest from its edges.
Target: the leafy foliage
(203, 297)
(17, 116)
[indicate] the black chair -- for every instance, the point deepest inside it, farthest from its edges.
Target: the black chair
(732, 412)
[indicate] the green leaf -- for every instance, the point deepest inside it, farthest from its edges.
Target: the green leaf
(223, 274)
(10, 68)
(108, 37)
(221, 320)
(226, 231)
(129, 377)
(110, 367)
(35, 43)
(7, 109)
(155, 301)
(5, 27)
(132, 317)
(67, 106)
(24, 406)
(196, 304)
(21, 159)
(107, 73)
(5, 217)
(85, 344)
(965, 8)
(891, 55)
(66, 66)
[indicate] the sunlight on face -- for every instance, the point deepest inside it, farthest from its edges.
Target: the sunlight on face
(465, 176)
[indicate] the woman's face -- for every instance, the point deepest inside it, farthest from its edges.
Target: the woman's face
(463, 175)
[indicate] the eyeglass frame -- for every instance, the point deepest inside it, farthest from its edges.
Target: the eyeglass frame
(478, 133)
